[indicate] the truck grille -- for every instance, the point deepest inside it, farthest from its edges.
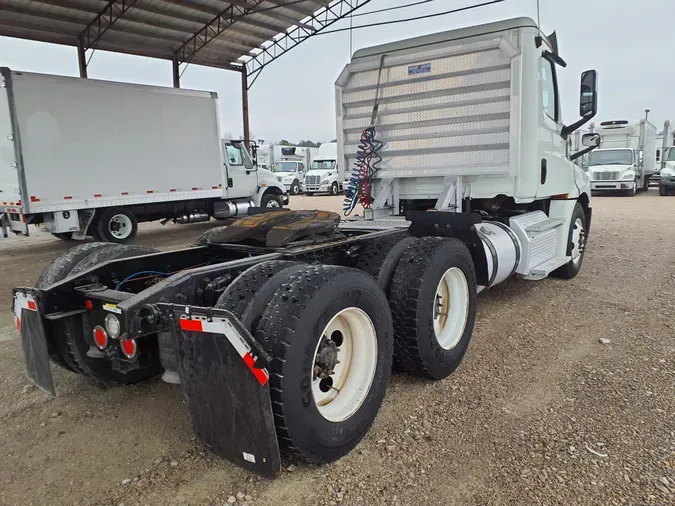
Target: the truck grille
(312, 179)
(605, 176)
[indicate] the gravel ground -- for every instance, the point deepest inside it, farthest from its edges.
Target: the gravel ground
(540, 412)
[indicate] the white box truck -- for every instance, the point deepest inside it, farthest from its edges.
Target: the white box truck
(289, 345)
(626, 158)
(86, 157)
(324, 175)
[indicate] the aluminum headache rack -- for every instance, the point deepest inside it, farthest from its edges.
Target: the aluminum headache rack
(445, 109)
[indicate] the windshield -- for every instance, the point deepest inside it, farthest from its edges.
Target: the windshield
(285, 167)
(611, 157)
(671, 155)
(323, 164)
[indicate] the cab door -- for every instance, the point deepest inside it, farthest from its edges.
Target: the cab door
(241, 176)
(556, 174)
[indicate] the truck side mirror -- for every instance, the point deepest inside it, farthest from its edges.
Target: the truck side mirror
(590, 140)
(588, 102)
(588, 99)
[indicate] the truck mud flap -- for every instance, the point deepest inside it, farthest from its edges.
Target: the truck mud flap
(223, 377)
(33, 340)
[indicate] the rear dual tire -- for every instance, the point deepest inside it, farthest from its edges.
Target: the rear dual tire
(290, 307)
(70, 338)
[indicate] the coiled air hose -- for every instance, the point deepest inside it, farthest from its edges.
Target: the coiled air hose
(365, 168)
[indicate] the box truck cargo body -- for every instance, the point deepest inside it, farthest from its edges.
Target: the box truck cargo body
(71, 148)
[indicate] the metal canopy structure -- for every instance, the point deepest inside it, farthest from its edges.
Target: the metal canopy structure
(239, 35)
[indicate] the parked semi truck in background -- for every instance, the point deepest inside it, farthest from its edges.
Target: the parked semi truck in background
(664, 141)
(626, 158)
(324, 175)
(281, 328)
(667, 179)
(86, 157)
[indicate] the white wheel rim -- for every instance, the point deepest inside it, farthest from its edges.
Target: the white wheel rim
(451, 308)
(120, 226)
(352, 374)
(272, 203)
(577, 241)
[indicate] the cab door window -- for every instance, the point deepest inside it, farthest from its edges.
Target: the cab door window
(549, 90)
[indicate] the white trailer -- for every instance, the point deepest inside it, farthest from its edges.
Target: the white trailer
(325, 174)
(626, 158)
(86, 157)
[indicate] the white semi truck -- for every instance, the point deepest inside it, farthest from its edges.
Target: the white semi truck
(86, 157)
(626, 158)
(282, 327)
(324, 175)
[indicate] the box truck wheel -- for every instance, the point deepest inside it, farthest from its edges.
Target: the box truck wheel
(250, 293)
(117, 225)
(433, 303)
(576, 244)
(295, 187)
(329, 330)
(75, 342)
(334, 189)
(379, 258)
(271, 200)
(53, 273)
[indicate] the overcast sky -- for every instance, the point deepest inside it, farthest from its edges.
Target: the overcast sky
(629, 42)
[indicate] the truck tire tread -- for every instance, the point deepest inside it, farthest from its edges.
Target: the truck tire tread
(411, 325)
(280, 326)
(379, 258)
(249, 293)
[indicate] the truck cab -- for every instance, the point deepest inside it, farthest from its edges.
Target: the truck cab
(626, 158)
(290, 174)
(667, 180)
(324, 172)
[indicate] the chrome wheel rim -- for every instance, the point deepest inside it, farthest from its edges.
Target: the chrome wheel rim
(577, 241)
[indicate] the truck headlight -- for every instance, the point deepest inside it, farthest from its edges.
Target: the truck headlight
(325, 181)
(112, 326)
(629, 175)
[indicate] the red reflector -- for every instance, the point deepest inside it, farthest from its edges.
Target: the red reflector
(150, 191)
(33, 198)
(17, 321)
(214, 187)
(97, 195)
(191, 325)
(172, 190)
(100, 337)
(195, 189)
(32, 306)
(128, 347)
(125, 193)
(18, 203)
(259, 374)
(89, 305)
(68, 197)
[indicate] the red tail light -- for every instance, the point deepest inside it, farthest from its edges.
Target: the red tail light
(100, 337)
(128, 347)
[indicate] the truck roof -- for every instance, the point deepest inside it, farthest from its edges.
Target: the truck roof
(461, 33)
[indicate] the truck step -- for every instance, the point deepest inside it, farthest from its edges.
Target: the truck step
(544, 225)
(544, 269)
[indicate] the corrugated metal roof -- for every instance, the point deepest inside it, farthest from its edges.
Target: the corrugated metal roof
(159, 28)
